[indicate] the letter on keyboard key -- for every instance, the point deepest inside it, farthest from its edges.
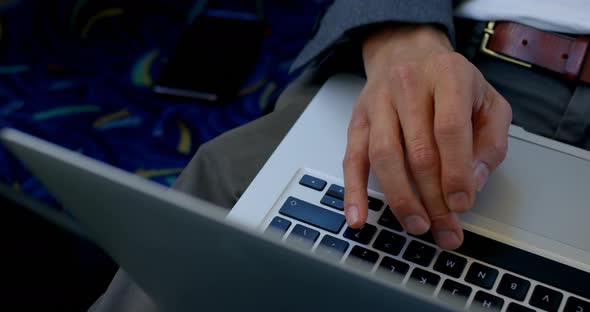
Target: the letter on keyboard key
(576, 305)
(486, 302)
(423, 281)
(450, 264)
(419, 253)
(513, 287)
(332, 202)
(278, 226)
(312, 214)
(362, 235)
(392, 270)
(302, 236)
(361, 258)
(481, 275)
(455, 294)
(311, 182)
(390, 243)
(389, 221)
(546, 299)
(515, 307)
(332, 248)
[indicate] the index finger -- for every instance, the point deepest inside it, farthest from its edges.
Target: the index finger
(356, 169)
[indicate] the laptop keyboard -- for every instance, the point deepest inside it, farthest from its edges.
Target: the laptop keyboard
(482, 275)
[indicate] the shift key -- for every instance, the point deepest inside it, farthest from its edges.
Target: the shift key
(312, 215)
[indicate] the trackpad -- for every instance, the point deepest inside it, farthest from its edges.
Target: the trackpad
(542, 191)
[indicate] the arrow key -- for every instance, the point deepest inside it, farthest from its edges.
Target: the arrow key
(419, 253)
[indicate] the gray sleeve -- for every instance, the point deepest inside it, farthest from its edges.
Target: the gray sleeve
(346, 15)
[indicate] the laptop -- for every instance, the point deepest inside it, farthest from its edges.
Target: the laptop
(285, 244)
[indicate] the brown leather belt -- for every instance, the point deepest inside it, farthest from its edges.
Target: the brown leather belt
(527, 46)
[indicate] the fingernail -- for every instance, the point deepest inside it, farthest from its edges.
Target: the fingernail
(458, 201)
(415, 224)
(447, 239)
(352, 215)
(481, 172)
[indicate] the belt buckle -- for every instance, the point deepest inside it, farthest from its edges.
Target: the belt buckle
(488, 32)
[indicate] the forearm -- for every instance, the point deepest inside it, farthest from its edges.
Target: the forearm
(346, 17)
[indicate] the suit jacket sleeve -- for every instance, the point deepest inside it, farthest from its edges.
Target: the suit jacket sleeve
(345, 16)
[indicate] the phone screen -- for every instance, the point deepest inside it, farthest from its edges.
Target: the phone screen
(212, 59)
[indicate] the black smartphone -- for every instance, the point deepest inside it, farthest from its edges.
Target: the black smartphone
(213, 58)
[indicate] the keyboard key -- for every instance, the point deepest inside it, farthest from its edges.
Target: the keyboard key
(455, 294)
(332, 247)
(311, 182)
(513, 287)
(423, 281)
(392, 270)
(312, 214)
(375, 204)
(332, 202)
(576, 305)
(545, 298)
(486, 302)
(362, 258)
(419, 253)
(390, 243)
(515, 307)
(302, 236)
(526, 264)
(362, 235)
(388, 220)
(450, 264)
(336, 191)
(278, 226)
(481, 275)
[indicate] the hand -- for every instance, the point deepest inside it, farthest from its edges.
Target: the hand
(425, 118)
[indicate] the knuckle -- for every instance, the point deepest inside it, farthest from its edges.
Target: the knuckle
(353, 159)
(449, 125)
(358, 120)
(400, 204)
(499, 149)
(382, 151)
(422, 157)
(404, 75)
(439, 217)
(449, 62)
(455, 180)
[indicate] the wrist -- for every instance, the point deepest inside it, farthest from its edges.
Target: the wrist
(402, 41)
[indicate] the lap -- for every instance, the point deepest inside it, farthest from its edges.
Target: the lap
(223, 168)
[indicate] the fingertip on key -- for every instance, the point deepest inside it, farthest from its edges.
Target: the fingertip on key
(416, 225)
(353, 217)
(447, 239)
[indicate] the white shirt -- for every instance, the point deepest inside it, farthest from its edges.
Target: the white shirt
(567, 16)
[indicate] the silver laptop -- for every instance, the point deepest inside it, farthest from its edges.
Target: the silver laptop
(526, 246)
